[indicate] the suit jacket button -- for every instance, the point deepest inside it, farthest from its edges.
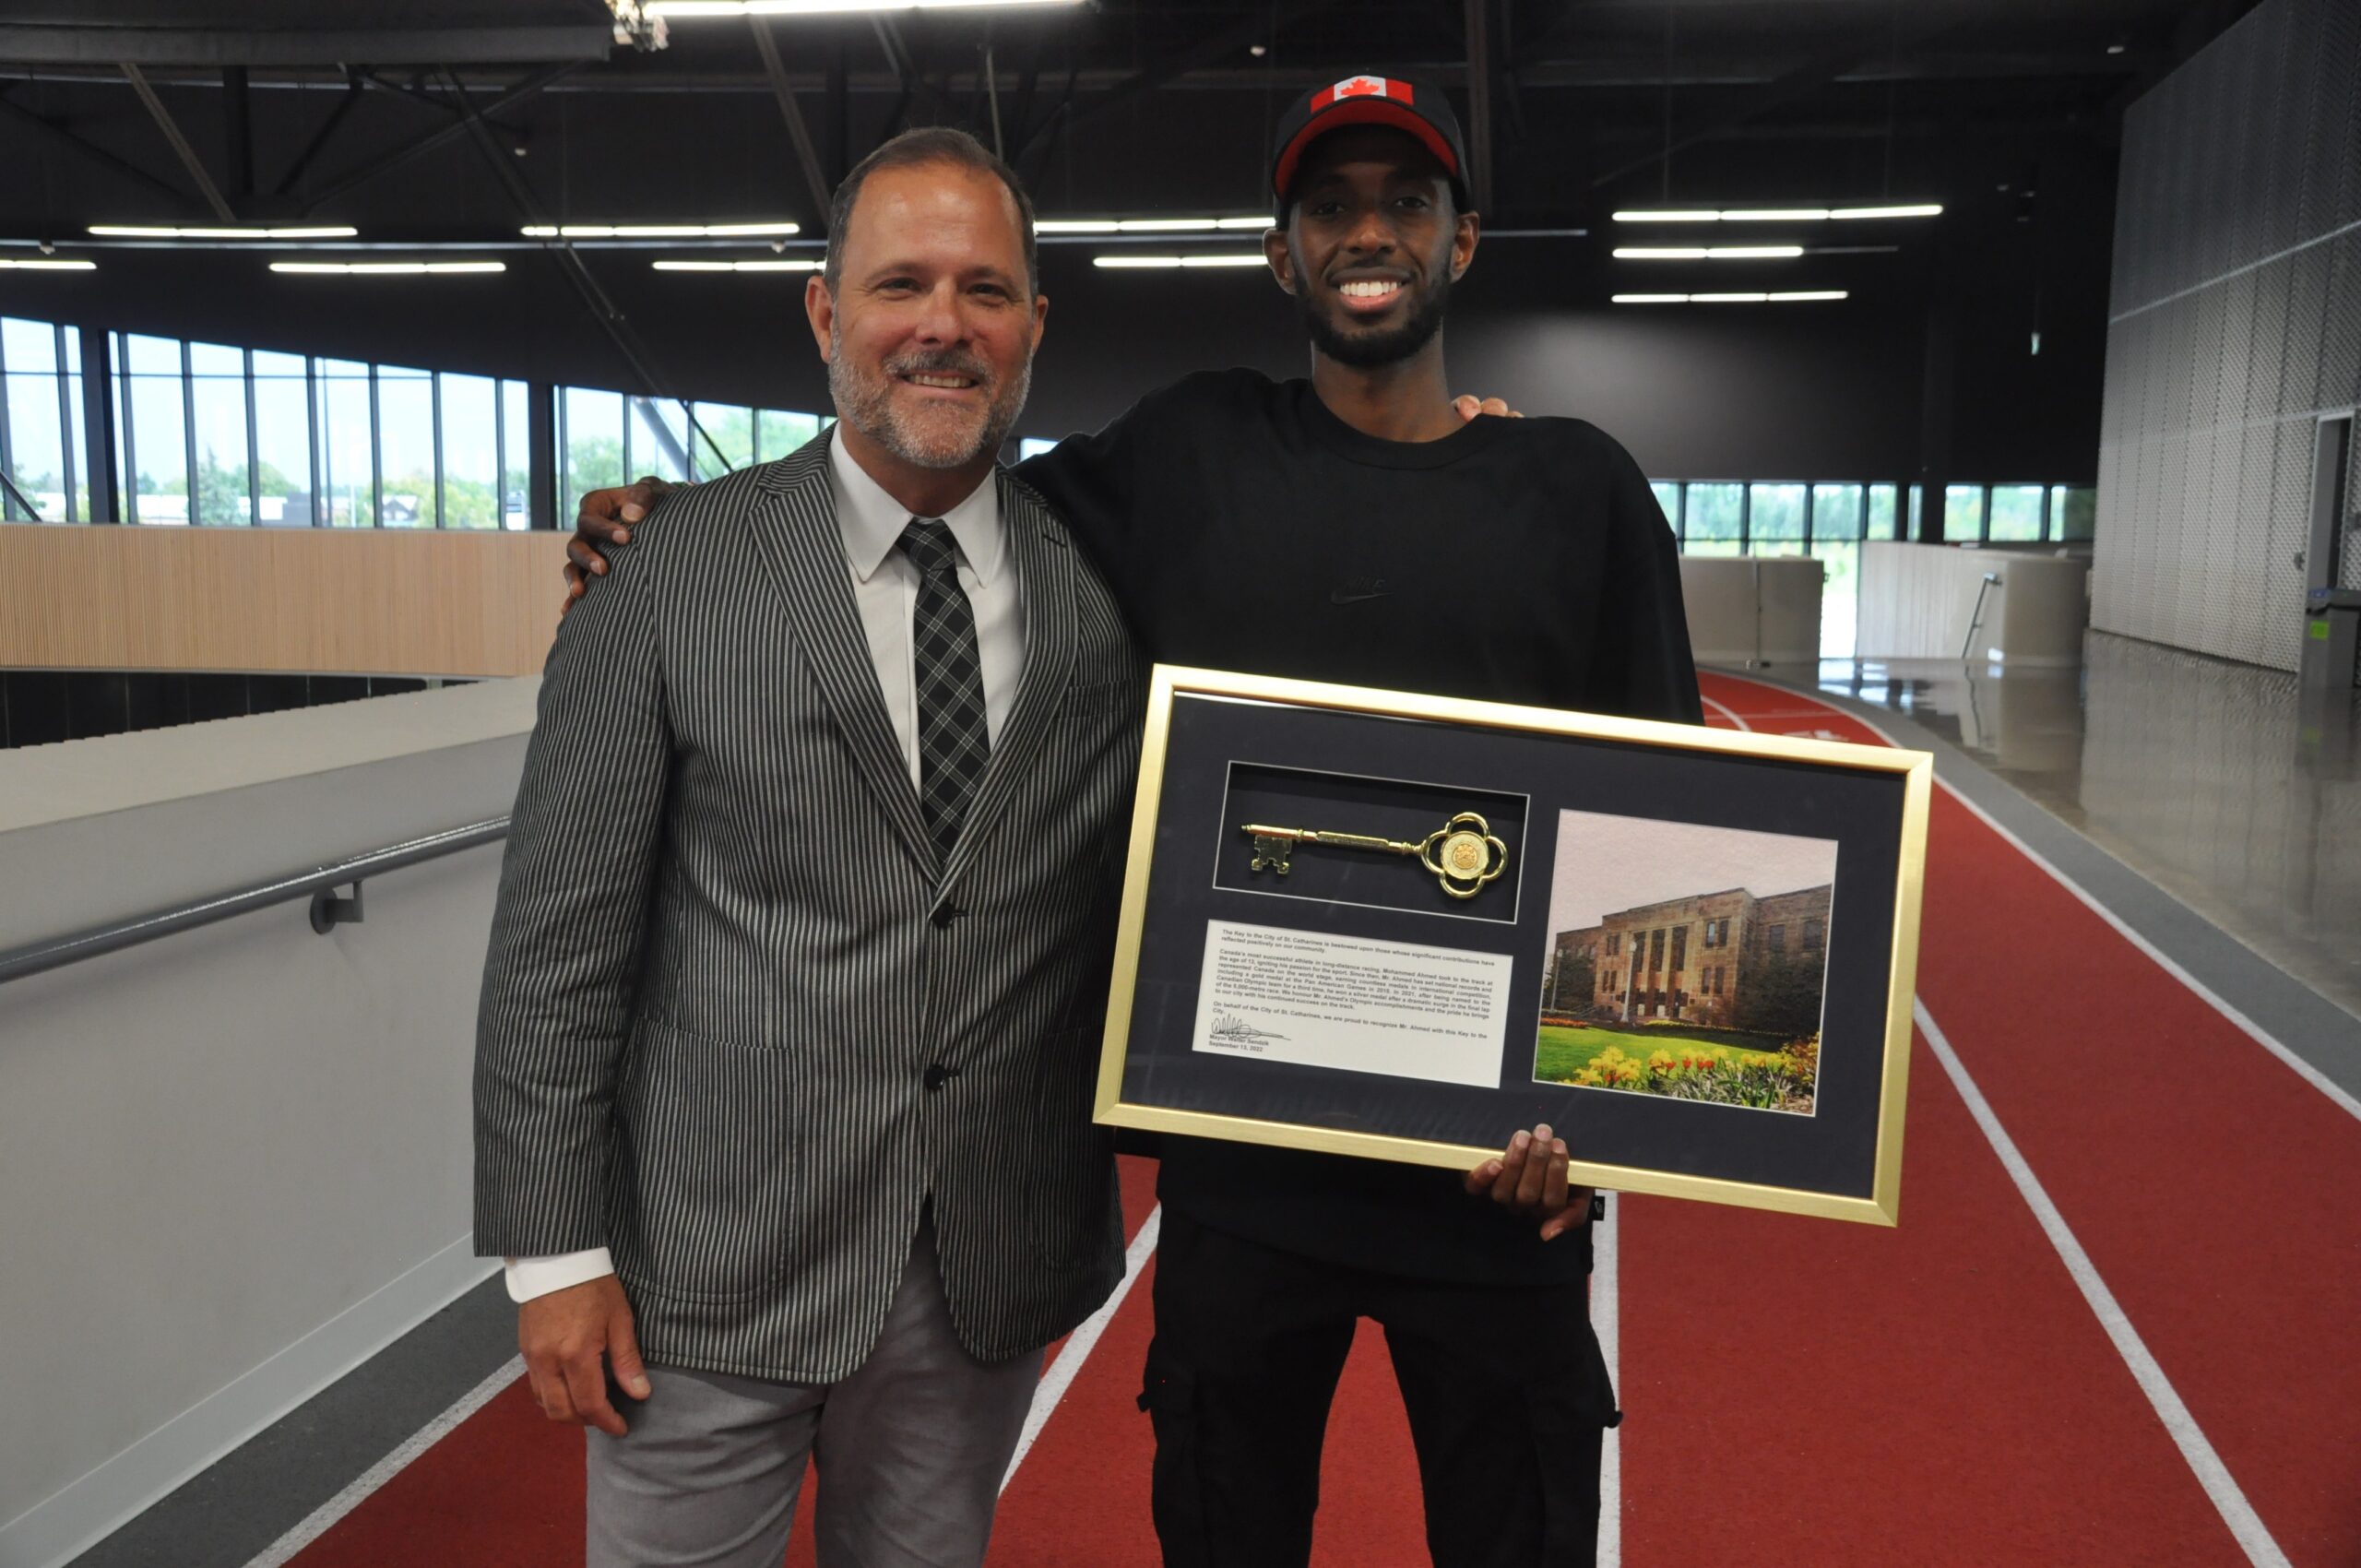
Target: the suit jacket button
(937, 1074)
(944, 914)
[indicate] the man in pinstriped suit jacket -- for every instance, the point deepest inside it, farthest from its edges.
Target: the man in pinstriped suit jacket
(784, 1066)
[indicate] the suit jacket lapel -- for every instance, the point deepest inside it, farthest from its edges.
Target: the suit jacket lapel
(799, 541)
(1045, 567)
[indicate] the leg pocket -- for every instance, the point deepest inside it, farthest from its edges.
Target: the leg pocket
(1569, 1409)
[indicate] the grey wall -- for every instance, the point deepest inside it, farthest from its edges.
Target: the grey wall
(233, 1162)
(2235, 319)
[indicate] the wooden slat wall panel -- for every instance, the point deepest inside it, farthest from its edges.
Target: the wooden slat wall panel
(310, 601)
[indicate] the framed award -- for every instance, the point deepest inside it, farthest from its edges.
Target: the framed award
(1402, 927)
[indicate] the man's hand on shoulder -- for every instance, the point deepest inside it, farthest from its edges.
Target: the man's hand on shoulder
(1469, 405)
(571, 1339)
(1529, 1178)
(601, 524)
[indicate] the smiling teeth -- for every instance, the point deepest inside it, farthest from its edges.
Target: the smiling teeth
(953, 382)
(1369, 290)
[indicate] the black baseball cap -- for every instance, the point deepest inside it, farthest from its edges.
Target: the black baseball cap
(1370, 99)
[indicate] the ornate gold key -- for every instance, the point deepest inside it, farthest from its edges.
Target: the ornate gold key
(1463, 853)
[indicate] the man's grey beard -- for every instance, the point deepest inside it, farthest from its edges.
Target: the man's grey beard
(949, 439)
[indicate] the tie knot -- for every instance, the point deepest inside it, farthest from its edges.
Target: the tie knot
(929, 545)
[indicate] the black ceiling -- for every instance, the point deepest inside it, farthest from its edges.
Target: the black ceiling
(366, 112)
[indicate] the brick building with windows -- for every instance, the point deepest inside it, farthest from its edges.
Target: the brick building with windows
(1689, 958)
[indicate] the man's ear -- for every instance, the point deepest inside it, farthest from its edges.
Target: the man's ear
(1276, 252)
(1465, 234)
(1040, 318)
(821, 306)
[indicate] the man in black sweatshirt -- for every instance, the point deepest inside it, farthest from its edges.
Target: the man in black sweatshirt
(1377, 496)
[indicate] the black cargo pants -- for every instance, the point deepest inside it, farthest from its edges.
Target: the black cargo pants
(1506, 1392)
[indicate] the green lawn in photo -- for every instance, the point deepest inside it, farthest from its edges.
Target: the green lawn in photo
(1565, 1051)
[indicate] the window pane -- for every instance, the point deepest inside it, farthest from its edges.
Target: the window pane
(470, 452)
(156, 420)
(2073, 512)
(1963, 511)
(729, 428)
(348, 453)
(1668, 494)
(1713, 511)
(218, 385)
(1836, 511)
(517, 437)
(594, 446)
(1778, 513)
(782, 432)
(36, 444)
(152, 356)
(659, 438)
(1695, 546)
(406, 448)
(1882, 511)
(283, 439)
(1840, 593)
(2016, 513)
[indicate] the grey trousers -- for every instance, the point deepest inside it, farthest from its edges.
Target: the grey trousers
(910, 1451)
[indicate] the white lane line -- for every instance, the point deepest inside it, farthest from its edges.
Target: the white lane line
(1725, 710)
(323, 1518)
(1607, 1321)
(1079, 1344)
(2336, 1092)
(2228, 1500)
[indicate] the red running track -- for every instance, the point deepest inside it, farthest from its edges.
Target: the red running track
(1800, 1392)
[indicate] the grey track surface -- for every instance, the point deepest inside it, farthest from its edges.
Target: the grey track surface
(2309, 1025)
(266, 1487)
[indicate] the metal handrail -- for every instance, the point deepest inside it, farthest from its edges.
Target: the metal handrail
(317, 884)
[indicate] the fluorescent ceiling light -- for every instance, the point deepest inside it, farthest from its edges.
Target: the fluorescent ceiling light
(387, 269)
(1708, 253)
(1145, 225)
(145, 231)
(31, 265)
(1792, 295)
(811, 264)
(655, 230)
(1166, 262)
(1773, 214)
(817, 8)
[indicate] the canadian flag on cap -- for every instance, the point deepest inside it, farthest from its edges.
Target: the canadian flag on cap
(1361, 86)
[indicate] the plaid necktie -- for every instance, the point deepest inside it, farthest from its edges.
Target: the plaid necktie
(953, 742)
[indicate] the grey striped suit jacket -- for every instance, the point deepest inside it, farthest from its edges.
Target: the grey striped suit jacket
(725, 967)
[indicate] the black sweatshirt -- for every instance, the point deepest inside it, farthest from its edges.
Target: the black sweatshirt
(1243, 527)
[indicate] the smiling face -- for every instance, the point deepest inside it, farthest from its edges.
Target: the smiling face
(1372, 245)
(930, 331)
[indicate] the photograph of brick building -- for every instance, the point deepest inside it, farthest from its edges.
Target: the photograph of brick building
(1686, 961)
(1691, 958)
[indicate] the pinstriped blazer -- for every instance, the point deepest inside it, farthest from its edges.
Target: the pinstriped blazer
(726, 969)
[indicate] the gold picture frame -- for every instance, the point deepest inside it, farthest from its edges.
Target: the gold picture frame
(1870, 1187)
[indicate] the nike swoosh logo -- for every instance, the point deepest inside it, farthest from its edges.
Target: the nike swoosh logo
(1338, 596)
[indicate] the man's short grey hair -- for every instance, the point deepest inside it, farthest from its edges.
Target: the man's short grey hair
(912, 148)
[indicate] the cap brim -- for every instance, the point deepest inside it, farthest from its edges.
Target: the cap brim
(1359, 111)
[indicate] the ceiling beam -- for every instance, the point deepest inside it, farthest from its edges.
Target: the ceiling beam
(807, 156)
(56, 132)
(210, 49)
(363, 173)
(353, 89)
(181, 148)
(1479, 103)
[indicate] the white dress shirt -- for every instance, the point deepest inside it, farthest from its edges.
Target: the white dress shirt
(885, 589)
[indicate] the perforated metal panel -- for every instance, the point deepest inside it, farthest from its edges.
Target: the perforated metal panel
(2235, 319)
